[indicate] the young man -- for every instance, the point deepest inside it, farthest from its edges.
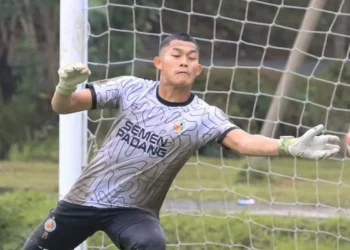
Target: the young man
(159, 126)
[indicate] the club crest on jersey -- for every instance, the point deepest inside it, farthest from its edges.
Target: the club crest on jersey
(50, 225)
(178, 126)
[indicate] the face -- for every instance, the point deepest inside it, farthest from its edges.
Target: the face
(179, 63)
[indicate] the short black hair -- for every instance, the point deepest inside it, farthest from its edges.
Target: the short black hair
(180, 36)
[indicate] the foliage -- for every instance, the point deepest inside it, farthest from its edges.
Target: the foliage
(127, 33)
(39, 149)
(20, 212)
(29, 61)
(21, 121)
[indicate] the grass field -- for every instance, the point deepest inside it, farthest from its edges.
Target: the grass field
(281, 180)
(209, 179)
(32, 175)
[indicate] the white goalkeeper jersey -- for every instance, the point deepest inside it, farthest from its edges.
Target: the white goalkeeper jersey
(149, 142)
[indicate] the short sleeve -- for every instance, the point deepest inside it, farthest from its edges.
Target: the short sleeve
(219, 124)
(108, 93)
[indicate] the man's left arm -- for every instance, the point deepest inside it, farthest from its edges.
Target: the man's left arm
(311, 145)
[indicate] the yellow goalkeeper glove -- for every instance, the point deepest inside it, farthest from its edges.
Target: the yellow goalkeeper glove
(70, 76)
(310, 145)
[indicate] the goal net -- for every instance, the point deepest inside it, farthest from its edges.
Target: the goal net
(276, 67)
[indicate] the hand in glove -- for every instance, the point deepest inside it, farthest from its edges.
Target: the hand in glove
(70, 76)
(311, 145)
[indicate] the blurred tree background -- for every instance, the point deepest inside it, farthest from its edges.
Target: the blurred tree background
(244, 49)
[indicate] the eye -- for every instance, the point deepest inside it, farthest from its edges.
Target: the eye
(175, 55)
(192, 58)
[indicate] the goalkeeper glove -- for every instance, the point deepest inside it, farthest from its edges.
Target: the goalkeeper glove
(70, 76)
(310, 145)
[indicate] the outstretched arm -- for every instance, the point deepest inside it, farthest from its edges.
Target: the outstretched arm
(247, 144)
(311, 145)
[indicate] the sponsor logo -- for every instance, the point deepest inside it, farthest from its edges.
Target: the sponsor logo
(140, 138)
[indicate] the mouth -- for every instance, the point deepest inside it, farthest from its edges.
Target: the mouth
(183, 73)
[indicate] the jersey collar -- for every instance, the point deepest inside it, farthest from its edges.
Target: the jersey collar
(174, 104)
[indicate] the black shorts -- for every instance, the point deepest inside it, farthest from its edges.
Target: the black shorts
(68, 225)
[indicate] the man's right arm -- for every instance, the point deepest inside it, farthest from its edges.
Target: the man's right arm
(77, 101)
(66, 100)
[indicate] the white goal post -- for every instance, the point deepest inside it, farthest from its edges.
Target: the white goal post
(73, 42)
(206, 198)
(72, 127)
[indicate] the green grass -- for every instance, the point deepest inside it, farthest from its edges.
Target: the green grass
(29, 175)
(21, 211)
(281, 180)
(242, 231)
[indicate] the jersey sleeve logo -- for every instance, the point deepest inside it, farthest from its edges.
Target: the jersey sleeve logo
(178, 126)
(50, 225)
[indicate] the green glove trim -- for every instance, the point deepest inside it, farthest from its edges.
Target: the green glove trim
(63, 90)
(284, 143)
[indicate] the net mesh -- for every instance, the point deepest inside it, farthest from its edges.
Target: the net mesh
(221, 200)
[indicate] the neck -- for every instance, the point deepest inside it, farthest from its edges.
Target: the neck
(172, 93)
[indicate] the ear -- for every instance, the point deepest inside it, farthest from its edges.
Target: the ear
(199, 69)
(157, 62)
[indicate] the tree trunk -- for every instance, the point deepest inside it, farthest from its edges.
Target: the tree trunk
(341, 28)
(295, 60)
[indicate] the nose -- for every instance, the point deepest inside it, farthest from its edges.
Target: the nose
(184, 62)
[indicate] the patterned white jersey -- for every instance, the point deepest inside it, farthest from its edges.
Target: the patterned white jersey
(149, 142)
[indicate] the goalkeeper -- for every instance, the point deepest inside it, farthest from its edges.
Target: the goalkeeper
(160, 125)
